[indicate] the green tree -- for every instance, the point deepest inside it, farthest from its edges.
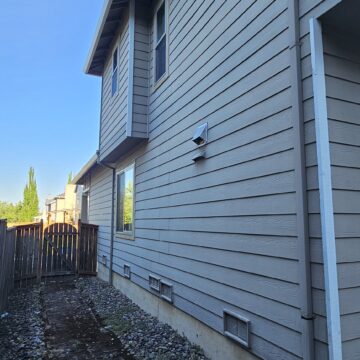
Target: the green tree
(70, 177)
(128, 206)
(30, 205)
(11, 212)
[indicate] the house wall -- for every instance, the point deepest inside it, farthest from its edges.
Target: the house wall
(221, 231)
(114, 108)
(100, 208)
(342, 69)
(309, 9)
(141, 70)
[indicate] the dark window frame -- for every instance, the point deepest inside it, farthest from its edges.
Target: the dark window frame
(161, 43)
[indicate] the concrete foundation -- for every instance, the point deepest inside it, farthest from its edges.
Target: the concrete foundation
(215, 345)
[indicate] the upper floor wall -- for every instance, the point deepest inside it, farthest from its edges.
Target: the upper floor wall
(122, 63)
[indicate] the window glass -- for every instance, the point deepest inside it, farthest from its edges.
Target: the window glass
(114, 73)
(115, 59)
(161, 43)
(161, 58)
(125, 201)
(160, 22)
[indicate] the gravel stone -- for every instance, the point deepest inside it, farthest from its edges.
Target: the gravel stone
(22, 326)
(142, 335)
(29, 326)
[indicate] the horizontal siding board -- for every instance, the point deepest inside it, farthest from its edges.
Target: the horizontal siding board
(226, 294)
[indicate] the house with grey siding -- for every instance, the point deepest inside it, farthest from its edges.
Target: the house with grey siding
(226, 185)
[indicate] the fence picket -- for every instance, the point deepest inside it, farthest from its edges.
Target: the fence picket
(30, 252)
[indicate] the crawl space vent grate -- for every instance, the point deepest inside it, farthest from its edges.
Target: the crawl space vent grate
(166, 291)
(127, 271)
(236, 327)
(154, 282)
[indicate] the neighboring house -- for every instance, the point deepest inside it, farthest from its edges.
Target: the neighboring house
(248, 239)
(64, 207)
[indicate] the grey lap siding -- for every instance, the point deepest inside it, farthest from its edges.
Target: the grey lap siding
(342, 68)
(309, 9)
(100, 208)
(114, 108)
(222, 231)
(141, 70)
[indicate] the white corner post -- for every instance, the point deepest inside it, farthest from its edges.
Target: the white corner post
(131, 65)
(325, 188)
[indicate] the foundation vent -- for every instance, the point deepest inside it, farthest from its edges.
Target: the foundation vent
(127, 271)
(154, 282)
(236, 327)
(166, 291)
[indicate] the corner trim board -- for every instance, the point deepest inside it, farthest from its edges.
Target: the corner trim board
(131, 67)
(325, 188)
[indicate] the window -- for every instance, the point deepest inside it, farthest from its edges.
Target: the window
(114, 82)
(160, 42)
(125, 201)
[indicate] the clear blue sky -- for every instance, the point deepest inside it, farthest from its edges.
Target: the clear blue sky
(49, 109)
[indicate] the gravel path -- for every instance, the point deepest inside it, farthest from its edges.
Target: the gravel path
(72, 330)
(85, 318)
(22, 326)
(143, 336)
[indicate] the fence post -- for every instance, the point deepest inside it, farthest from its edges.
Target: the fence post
(3, 227)
(78, 249)
(40, 240)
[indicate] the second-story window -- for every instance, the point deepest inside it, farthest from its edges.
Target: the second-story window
(114, 82)
(160, 42)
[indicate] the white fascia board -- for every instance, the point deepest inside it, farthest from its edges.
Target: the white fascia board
(98, 32)
(84, 169)
(325, 189)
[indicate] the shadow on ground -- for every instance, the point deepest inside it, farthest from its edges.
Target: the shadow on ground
(72, 329)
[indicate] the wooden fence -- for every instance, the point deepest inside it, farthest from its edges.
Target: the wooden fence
(7, 251)
(29, 252)
(87, 254)
(27, 262)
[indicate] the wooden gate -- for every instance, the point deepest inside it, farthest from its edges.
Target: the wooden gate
(59, 249)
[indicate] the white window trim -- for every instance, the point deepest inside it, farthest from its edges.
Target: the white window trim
(157, 83)
(113, 70)
(125, 234)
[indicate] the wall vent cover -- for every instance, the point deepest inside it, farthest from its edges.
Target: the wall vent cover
(236, 327)
(166, 291)
(127, 271)
(154, 282)
(104, 260)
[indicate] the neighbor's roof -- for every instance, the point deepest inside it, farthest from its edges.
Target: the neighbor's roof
(85, 169)
(105, 32)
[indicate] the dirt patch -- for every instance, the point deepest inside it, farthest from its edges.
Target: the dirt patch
(72, 329)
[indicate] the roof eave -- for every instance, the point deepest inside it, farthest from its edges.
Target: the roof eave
(96, 39)
(84, 170)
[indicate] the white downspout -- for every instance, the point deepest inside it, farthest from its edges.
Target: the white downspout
(325, 188)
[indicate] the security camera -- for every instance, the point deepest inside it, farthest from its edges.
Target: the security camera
(200, 137)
